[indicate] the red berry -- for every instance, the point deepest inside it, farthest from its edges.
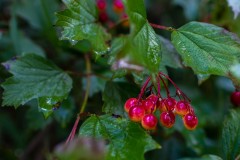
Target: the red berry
(190, 121)
(103, 17)
(130, 103)
(167, 104)
(235, 98)
(153, 98)
(149, 122)
(170, 103)
(136, 113)
(167, 119)
(118, 6)
(149, 106)
(161, 105)
(101, 4)
(182, 108)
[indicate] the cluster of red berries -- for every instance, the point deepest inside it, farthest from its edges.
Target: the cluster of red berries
(235, 98)
(118, 7)
(142, 110)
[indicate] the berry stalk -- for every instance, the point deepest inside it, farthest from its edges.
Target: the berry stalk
(168, 93)
(83, 106)
(143, 88)
(178, 91)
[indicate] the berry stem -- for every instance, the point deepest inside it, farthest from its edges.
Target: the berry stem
(162, 27)
(168, 93)
(143, 88)
(159, 87)
(83, 106)
(88, 70)
(179, 92)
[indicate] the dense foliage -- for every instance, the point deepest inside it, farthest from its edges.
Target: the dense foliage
(72, 64)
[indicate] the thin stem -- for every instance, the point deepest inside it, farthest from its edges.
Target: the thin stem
(143, 88)
(162, 27)
(72, 134)
(179, 92)
(159, 87)
(88, 71)
(168, 93)
(83, 106)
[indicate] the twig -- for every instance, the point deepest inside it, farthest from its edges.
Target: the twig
(83, 106)
(162, 27)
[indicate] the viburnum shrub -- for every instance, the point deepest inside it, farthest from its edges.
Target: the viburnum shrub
(142, 110)
(112, 49)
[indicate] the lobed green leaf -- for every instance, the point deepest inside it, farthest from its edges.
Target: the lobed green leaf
(79, 22)
(141, 46)
(35, 78)
(206, 48)
(127, 140)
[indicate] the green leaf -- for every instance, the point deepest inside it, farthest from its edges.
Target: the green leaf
(127, 140)
(34, 77)
(206, 48)
(79, 23)
(231, 135)
(115, 95)
(48, 104)
(141, 46)
(170, 56)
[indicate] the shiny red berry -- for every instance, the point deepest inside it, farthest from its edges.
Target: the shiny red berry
(136, 113)
(167, 119)
(182, 108)
(149, 106)
(130, 103)
(190, 121)
(153, 98)
(167, 104)
(235, 98)
(170, 103)
(118, 6)
(101, 4)
(149, 122)
(161, 105)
